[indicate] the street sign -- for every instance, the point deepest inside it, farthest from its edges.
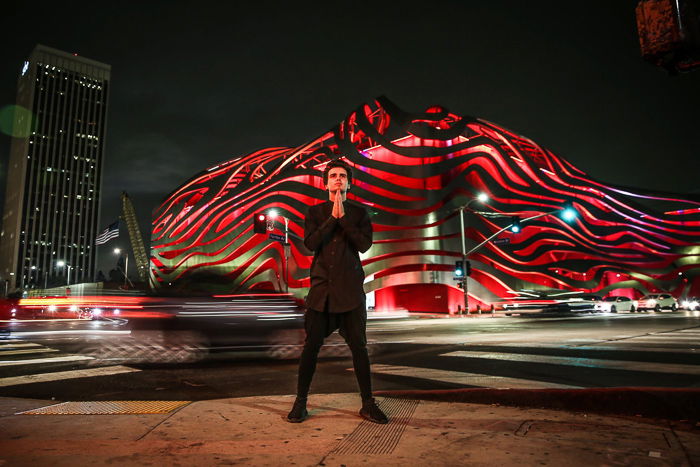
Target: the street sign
(502, 241)
(277, 237)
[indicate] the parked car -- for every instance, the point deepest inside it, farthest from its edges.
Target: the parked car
(615, 304)
(657, 302)
(691, 303)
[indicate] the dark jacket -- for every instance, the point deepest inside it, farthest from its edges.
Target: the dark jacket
(336, 270)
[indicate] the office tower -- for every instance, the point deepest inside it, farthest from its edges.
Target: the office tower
(54, 175)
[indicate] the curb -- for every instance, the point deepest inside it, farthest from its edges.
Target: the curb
(652, 402)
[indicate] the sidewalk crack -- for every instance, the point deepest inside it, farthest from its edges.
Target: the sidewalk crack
(677, 439)
(150, 430)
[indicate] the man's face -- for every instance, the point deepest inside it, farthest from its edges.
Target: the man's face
(337, 180)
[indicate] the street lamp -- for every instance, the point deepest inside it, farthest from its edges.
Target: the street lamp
(60, 264)
(117, 251)
(482, 198)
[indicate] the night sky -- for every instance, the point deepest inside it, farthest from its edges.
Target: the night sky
(197, 83)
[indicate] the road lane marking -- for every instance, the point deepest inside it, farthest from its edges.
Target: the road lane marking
(675, 368)
(467, 379)
(61, 375)
(32, 361)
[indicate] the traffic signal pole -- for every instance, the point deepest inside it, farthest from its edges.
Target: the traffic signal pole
(464, 261)
(286, 247)
(567, 213)
(263, 223)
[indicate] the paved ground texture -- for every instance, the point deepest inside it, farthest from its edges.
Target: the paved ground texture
(445, 430)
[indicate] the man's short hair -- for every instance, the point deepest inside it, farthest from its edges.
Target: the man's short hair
(337, 163)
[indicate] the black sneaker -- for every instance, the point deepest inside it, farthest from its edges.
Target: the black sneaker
(298, 413)
(370, 411)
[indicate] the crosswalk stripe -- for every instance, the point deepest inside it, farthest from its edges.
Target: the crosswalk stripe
(26, 351)
(666, 338)
(19, 344)
(32, 361)
(61, 375)
(642, 348)
(467, 379)
(675, 368)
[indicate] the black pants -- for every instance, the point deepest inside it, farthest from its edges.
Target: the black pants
(321, 324)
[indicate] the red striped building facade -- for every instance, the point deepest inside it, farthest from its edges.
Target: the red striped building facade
(413, 171)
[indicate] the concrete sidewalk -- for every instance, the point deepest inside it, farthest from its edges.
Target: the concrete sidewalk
(252, 431)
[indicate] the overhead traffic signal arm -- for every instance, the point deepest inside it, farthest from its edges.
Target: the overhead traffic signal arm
(567, 212)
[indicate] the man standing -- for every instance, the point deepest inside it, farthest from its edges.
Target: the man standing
(337, 231)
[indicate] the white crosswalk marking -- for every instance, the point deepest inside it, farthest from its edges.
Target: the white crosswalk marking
(31, 354)
(675, 368)
(657, 348)
(61, 375)
(25, 351)
(18, 344)
(34, 361)
(665, 338)
(467, 379)
(679, 341)
(686, 341)
(35, 350)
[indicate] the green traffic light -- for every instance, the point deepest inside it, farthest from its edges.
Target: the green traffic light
(569, 213)
(515, 224)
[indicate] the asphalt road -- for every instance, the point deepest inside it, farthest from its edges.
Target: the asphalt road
(650, 350)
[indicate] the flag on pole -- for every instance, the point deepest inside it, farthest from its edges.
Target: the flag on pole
(107, 234)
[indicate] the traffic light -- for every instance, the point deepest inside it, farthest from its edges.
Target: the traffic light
(515, 224)
(568, 213)
(260, 222)
(459, 269)
(468, 268)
